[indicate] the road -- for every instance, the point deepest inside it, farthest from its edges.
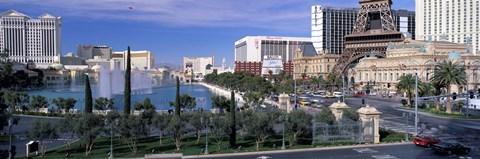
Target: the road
(397, 151)
(19, 130)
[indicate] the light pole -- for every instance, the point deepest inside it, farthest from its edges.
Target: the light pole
(283, 132)
(406, 115)
(343, 88)
(111, 122)
(416, 104)
(294, 92)
(10, 123)
(206, 133)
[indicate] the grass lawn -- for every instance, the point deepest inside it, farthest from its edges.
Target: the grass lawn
(146, 145)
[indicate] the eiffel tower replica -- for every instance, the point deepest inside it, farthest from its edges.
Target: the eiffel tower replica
(373, 31)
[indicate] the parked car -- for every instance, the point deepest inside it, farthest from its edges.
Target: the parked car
(450, 148)
(425, 140)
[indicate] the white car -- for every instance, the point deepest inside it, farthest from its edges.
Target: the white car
(337, 94)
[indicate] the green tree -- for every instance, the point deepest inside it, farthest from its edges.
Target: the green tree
(254, 98)
(131, 129)
(38, 101)
(325, 116)
(406, 84)
(161, 122)
(177, 128)
(350, 114)
(88, 96)
(42, 131)
(64, 103)
(426, 89)
(260, 126)
(220, 102)
(7, 102)
(88, 127)
(103, 104)
(65, 127)
(185, 101)
(232, 124)
(447, 73)
(333, 82)
(218, 129)
(196, 120)
(298, 123)
(6, 77)
(127, 93)
(177, 98)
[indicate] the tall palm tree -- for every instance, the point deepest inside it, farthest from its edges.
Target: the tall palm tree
(406, 84)
(448, 73)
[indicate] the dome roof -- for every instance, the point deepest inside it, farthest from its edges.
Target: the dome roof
(57, 66)
(454, 55)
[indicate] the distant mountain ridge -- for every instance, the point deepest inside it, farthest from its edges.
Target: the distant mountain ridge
(172, 66)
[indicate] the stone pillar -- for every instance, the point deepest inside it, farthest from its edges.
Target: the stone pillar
(337, 109)
(284, 100)
(367, 114)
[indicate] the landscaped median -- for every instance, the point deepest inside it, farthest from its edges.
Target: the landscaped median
(442, 114)
(150, 145)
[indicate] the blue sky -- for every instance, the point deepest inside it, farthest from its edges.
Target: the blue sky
(172, 29)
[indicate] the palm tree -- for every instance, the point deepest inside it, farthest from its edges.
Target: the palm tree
(406, 84)
(447, 73)
(333, 82)
(426, 88)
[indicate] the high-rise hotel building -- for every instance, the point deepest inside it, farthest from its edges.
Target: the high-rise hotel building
(26, 39)
(331, 24)
(454, 20)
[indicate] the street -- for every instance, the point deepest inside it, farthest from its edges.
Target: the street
(397, 151)
(18, 131)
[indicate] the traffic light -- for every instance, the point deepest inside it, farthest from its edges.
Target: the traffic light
(454, 95)
(471, 95)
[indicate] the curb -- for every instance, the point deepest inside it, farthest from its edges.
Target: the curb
(37, 116)
(295, 150)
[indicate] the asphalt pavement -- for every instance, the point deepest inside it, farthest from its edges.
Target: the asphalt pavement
(396, 151)
(19, 133)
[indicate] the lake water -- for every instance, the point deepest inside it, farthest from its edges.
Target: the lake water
(160, 96)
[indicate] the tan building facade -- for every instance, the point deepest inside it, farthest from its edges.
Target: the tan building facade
(319, 65)
(413, 57)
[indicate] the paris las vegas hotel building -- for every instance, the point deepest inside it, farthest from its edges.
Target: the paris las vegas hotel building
(27, 39)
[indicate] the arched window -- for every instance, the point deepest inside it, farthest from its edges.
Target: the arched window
(328, 69)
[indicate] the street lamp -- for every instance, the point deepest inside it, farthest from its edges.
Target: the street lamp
(206, 133)
(406, 116)
(10, 123)
(283, 131)
(107, 122)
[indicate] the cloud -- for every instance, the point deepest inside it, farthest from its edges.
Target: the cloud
(280, 15)
(284, 14)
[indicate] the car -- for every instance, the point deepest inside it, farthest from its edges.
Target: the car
(425, 140)
(315, 100)
(337, 94)
(450, 148)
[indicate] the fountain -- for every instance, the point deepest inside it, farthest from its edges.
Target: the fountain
(113, 82)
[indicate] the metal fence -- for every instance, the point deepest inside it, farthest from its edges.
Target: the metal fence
(344, 131)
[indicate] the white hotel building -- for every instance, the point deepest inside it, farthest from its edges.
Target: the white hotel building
(454, 20)
(257, 48)
(26, 39)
